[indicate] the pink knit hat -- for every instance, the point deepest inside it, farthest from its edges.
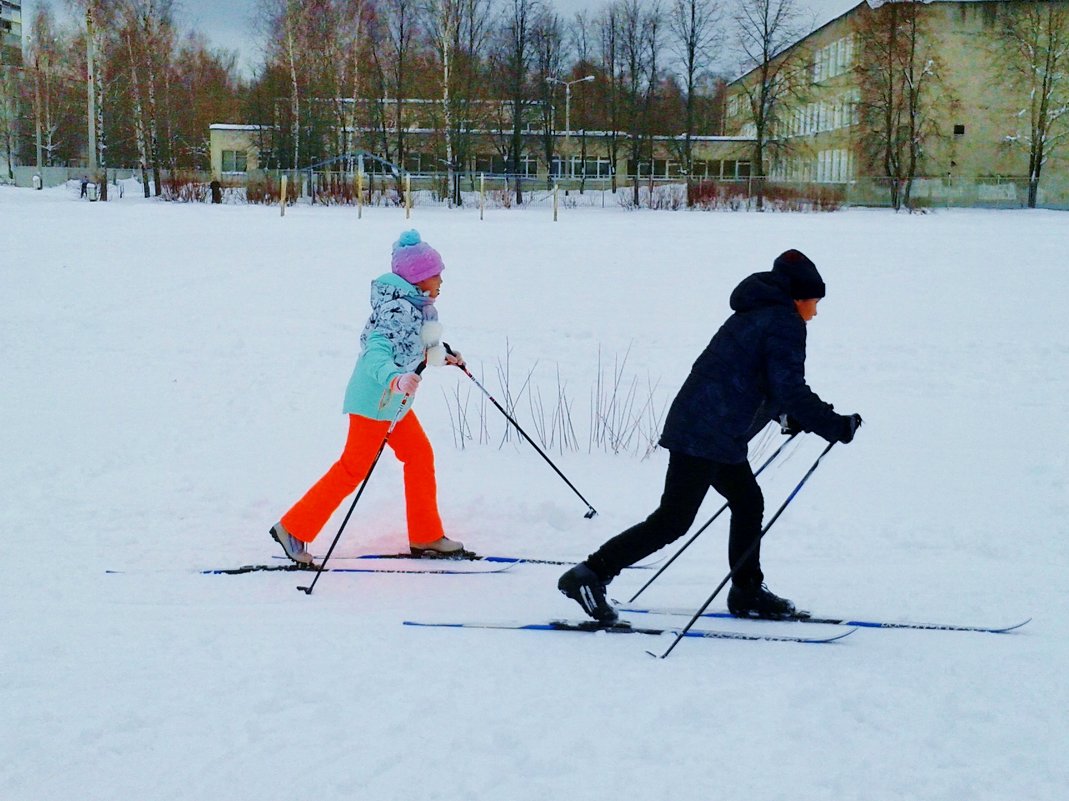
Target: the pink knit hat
(413, 259)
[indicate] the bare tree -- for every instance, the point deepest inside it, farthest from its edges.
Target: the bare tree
(640, 32)
(516, 59)
(897, 75)
(1032, 56)
(54, 102)
(148, 31)
(764, 32)
(548, 38)
(443, 23)
(99, 16)
(285, 24)
(695, 36)
(472, 99)
(9, 111)
(393, 41)
(139, 109)
(205, 88)
(611, 88)
(333, 34)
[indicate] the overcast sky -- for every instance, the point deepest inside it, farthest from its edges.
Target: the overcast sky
(230, 23)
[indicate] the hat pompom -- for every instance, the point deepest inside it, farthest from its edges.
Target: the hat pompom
(408, 239)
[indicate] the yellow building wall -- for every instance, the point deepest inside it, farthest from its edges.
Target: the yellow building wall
(241, 138)
(975, 95)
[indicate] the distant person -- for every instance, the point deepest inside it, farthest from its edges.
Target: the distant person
(752, 371)
(402, 332)
(85, 187)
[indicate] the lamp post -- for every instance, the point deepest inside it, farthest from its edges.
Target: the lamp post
(568, 101)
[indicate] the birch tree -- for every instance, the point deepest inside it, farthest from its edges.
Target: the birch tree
(443, 25)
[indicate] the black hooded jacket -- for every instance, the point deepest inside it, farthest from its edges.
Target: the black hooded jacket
(752, 371)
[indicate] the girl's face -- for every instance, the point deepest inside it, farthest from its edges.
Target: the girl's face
(432, 286)
(807, 308)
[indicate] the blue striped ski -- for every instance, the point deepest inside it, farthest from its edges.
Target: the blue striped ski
(593, 627)
(805, 617)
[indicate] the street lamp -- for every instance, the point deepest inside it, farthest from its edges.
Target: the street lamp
(568, 105)
(568, 99)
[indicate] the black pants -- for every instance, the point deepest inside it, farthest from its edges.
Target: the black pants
(685, 486)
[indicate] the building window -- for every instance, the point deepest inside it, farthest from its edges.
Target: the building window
(959, 130)
(835, 166)
(235, 161)
(490, 163)
(413, 162)
(833, 60)
(529, 166)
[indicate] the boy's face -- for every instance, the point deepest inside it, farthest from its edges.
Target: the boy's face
(807, 308)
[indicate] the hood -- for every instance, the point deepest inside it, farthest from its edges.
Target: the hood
(760, 291)
(391, 287)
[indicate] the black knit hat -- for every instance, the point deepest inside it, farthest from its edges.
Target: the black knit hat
(801, 273)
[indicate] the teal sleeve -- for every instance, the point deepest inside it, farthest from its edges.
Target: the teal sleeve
(378, 360)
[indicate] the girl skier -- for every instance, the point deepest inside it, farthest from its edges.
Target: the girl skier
(402, 332)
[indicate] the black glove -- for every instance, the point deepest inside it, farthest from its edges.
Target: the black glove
(788, 425)
(850, 424)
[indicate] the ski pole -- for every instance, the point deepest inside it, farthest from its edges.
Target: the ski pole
(591, 511)
(719, 512)
(363, 485)
(745, 556)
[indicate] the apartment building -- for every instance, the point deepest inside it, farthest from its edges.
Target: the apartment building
(975, 119)
(11, 31)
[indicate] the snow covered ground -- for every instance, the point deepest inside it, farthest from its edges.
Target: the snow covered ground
(172, 381)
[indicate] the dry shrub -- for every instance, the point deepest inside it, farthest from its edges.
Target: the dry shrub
(741, 195)
(184, 188)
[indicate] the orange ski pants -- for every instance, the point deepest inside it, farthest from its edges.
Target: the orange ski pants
(411, 446)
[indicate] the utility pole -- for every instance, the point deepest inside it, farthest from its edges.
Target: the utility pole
(90, 37)
(38, 110)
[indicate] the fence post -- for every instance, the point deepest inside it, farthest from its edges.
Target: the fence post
(408, 195)
(360, 193)
(556, 186)
(482, 193)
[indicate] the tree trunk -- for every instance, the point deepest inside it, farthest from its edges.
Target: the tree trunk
(139, 113)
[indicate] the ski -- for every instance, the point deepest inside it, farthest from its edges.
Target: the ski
(435, 570)
(805, 617)
(468, 556)
(430, 570)
(591, 626)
